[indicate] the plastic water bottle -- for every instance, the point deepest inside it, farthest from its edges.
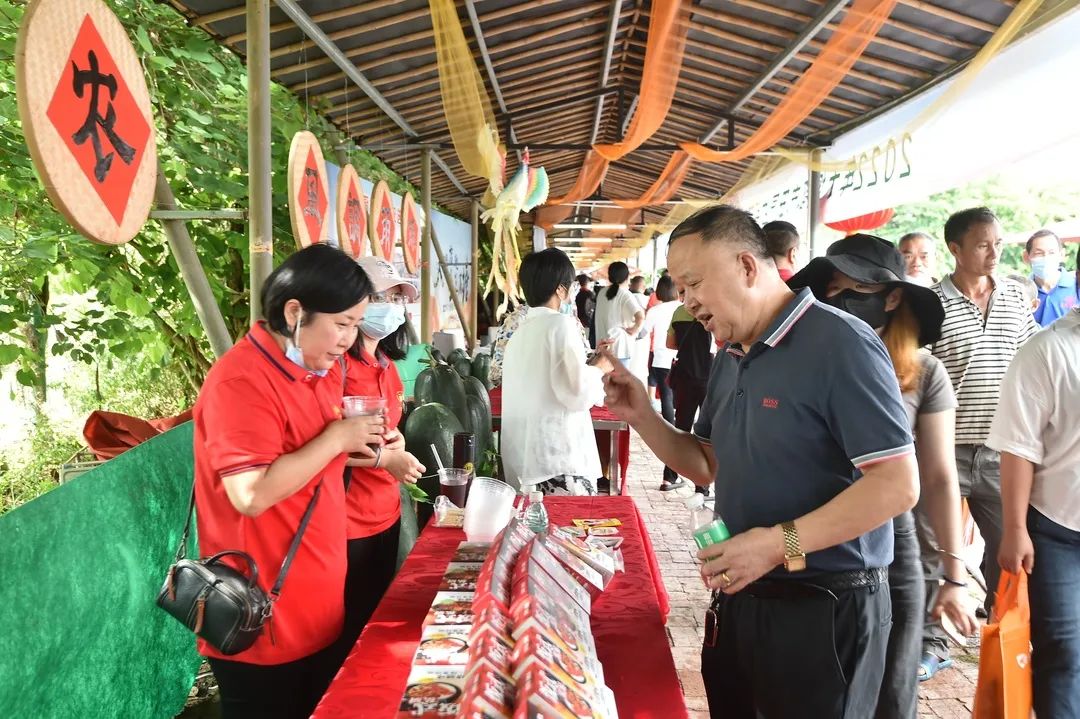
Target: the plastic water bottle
(536, 516)
(706, 526)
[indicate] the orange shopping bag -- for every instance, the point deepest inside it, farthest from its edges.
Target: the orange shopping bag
(1004, 689)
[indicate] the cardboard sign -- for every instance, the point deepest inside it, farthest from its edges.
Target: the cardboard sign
(410, 233)
(87, 117)
(383, 230)
(352, 207)
(308, 198)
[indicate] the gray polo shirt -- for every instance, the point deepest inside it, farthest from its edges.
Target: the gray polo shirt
(794, 420)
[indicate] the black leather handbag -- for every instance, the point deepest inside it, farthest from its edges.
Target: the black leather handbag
(223, 605)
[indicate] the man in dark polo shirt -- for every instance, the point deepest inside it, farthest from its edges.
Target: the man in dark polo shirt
(806, 436)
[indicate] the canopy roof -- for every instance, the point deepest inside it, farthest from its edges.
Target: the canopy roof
(543, 62)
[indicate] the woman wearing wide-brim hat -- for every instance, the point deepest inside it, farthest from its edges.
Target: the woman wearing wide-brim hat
(863, 275)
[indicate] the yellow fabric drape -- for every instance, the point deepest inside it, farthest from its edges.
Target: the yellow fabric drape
(859, 26)
(464, 96)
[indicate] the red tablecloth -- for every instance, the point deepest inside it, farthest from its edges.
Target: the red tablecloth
(602, 441)
(627, 622)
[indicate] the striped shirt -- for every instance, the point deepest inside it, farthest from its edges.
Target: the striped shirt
(977, 350)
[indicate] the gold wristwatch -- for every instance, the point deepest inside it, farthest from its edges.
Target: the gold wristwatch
(794, 556)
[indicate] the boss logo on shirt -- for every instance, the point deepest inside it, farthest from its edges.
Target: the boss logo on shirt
(770, 403)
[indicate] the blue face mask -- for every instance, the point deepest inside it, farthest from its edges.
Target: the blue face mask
(382, 320)
(294, 354)
(1042, 268)
(566, 308)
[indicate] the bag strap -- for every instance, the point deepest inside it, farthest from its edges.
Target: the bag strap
(181, 551)
(275, 592)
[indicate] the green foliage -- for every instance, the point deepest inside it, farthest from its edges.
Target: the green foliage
(1021, 210)
(31, 467)
(132, 299)
(123, 314)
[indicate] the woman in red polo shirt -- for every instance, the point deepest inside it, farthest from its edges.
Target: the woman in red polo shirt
(373, 501)
(268, 433)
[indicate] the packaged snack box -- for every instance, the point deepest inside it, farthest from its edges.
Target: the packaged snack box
(573, 668)
(591, 523)
(542, 694)
(597, 558)
(460, 577)
(553, 569)
(432, 693)
(493, 619)
(489, 648)
(579, 569)
(451, 608)
(443, 645)
(574, 633)
(488, 689)
(472, 552)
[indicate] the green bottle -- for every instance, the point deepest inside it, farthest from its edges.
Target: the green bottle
(707, 527)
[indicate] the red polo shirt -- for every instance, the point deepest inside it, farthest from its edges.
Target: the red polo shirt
(255, 406)
(374, 500)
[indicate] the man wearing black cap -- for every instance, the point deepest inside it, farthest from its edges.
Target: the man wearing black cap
(806, 436)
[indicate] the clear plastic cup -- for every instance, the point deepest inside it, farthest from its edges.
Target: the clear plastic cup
(357, 406)
(453, 484)
(489, 509)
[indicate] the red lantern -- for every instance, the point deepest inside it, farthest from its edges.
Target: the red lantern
(862, 223)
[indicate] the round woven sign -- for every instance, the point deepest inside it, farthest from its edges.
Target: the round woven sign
(383, 227)
(309, 200)
(410, 234)
(351, 213)
(87, 116)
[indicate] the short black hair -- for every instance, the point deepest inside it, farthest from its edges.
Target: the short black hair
(1044, 233)
(960, 222)
(780, 237)
(665, 289)
(582, 279)
(617, 273)
(725, 223)
(320, 277)
(638, 281)
(544, 272)
(913, 236)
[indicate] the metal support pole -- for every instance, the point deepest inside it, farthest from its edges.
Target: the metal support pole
(187, 215)
(425, 251)
(454, 297)
(815, 207)
(474, 281)
(183, 250)
(261, 222)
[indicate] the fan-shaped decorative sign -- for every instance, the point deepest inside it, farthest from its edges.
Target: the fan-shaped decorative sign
(410, 233)
(87, 117)
(309, 198)
(352, 213)
(383, 227)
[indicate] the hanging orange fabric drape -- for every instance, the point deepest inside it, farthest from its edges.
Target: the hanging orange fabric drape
(591, 175)
(856, 30)
(669, 21)
(666, 185)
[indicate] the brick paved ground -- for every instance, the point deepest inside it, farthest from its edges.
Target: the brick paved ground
(947, 696)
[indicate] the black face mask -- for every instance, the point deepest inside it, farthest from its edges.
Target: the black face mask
(868, 307)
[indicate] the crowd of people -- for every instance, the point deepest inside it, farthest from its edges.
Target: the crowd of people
(882, 394)
(839, 413)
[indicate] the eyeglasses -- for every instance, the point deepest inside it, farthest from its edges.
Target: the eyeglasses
(397, 298)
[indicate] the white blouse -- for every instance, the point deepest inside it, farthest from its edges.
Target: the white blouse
(613, 316)
(547, 392)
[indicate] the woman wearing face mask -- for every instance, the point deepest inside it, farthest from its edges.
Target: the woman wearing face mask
(373, 504)
(548, 388)
(269, 440)
(864, 276)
